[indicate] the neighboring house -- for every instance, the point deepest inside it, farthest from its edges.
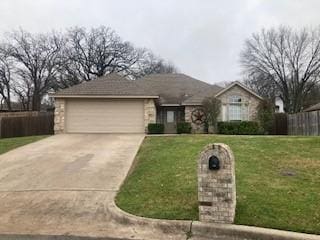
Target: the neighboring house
(315, 107)
(278, 105)
(113, 104)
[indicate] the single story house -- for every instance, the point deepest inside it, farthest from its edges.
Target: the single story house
(114, 104)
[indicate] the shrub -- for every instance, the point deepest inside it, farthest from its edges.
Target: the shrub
(184, 127)
(211, 107)
(266, 116)
(155, 128)
(239, 128)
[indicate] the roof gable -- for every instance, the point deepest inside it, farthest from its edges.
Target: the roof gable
(315, 107)
(236, 83)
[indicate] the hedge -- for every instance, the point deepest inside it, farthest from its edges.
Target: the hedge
(183, 127)
(155, 128)
(239, 128)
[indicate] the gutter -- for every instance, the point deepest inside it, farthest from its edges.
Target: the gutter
(103, 96)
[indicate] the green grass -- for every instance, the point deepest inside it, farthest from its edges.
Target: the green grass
(7, 144)
(163, 183)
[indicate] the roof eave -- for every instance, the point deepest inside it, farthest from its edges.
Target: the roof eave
(102, 96)
(170, 105)
(191, 104)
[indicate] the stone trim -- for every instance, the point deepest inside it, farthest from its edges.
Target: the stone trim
(59, 115)
(150, 113)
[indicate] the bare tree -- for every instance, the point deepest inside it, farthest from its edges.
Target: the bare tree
(37, 58)
(33, 64)
(286, 58)
(150, 64)
(263, 85)
(6, 68)
(313, 97)
(95, 53)
(23, 89)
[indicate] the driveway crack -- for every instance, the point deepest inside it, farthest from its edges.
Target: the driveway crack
(189, 233)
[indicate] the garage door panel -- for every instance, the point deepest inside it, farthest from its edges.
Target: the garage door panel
(104, 116)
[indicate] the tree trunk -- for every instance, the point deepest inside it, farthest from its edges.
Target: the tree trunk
(36, 102)
(286, 104)
(9, 101)
(212, 129)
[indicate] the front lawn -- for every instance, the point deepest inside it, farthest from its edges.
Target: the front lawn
(278, 180)
(7, 144)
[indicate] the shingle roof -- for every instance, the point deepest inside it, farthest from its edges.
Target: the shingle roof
(197, 98)
(171, 88)
(177, 88)
(315, 107)
(112, 84)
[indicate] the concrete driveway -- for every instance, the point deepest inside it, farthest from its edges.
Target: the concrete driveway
(64, 183)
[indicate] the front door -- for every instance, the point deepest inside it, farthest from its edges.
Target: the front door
(170, 125)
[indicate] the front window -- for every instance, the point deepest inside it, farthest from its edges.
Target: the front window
(235, 99)
(235, 112)
(238, 110)
(170, 116)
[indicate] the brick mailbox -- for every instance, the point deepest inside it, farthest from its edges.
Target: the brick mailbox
(216, 184)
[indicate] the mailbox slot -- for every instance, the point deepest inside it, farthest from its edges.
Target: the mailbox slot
(214, 163)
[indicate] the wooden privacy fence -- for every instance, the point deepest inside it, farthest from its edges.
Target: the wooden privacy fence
(280, 124)
(304, 123)
(41, 124)
(20, 114)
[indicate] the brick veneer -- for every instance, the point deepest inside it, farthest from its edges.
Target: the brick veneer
(217, 188)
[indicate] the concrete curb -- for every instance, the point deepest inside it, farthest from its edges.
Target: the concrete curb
(240, 232)
(200, 230)
(54, 237)
(173, 227)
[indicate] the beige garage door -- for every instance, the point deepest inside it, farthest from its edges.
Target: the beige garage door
(104, 116)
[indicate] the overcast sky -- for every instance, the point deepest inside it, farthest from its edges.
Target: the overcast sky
(203, 38)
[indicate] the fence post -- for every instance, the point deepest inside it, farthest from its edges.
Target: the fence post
(289, 124)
